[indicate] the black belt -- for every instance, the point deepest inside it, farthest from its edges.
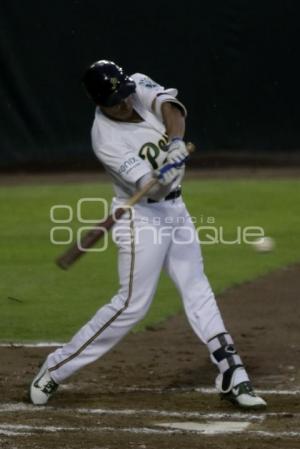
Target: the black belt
(172, 195)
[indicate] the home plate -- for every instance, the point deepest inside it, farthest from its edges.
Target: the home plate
(208, 428)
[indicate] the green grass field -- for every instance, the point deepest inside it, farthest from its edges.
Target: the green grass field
(38, 301)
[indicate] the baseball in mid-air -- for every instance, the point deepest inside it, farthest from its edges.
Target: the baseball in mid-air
(264, 244)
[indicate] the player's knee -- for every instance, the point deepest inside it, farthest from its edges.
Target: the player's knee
(133, 305)
(138, 309)
(119, 301)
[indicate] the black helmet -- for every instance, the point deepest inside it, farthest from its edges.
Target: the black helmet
(107, 84)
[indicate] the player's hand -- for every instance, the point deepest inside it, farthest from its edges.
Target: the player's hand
(177, 151)
(167, 174)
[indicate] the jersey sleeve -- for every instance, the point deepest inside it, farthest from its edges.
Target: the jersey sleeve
(148, 90)
(120, 161)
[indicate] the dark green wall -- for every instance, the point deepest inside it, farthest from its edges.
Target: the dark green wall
(235, 63)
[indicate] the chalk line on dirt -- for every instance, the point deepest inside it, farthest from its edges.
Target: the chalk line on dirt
(29, 408)
(202, 390)
(41, 344)
(212, 429)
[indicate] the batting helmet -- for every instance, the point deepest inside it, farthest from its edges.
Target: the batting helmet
(107, 84)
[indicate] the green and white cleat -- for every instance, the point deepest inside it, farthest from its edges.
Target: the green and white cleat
(243, 396)
(42, 387)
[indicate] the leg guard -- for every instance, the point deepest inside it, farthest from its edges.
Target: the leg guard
(224, 355)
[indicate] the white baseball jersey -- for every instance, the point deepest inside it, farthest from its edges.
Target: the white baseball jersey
(149, 240)
(128, 151)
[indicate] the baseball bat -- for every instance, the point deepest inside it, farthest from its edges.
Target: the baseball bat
(91, 237)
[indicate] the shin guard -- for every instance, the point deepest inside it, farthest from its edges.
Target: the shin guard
(224, 355)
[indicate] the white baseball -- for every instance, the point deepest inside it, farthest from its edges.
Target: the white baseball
(264, 244)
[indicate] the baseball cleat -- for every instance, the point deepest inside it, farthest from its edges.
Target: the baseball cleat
(244, 396)
(42, 387)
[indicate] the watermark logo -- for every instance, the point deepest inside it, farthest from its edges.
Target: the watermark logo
(181, 230)
(63, 214)
(57, 233)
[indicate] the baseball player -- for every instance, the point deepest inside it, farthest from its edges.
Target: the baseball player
(137, 132)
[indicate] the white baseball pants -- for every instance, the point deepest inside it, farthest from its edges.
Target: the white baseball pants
(154, 237)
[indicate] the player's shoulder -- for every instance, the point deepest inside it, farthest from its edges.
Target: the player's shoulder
(103, 131)
(144, 81)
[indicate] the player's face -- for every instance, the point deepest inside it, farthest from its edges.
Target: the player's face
(122, 111)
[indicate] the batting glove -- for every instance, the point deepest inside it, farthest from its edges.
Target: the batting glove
(177, 151)
(168, 173)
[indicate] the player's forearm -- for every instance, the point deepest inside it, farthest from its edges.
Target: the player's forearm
(158, 191)
(173, 119)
